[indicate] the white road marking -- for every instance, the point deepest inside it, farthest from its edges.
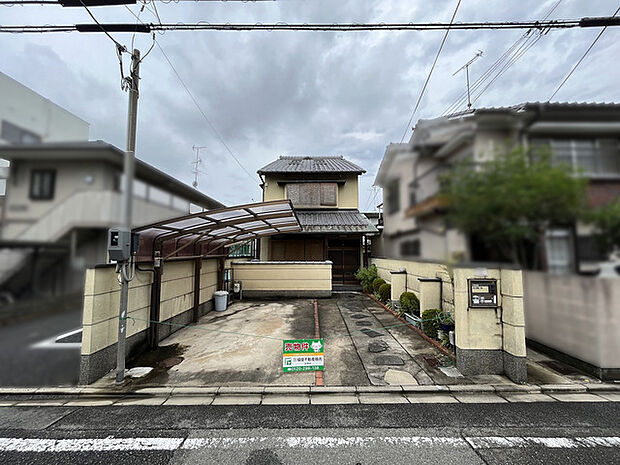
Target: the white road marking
(298, 442)
(52, 342)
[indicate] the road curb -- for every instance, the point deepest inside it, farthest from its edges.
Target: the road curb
(190, 391)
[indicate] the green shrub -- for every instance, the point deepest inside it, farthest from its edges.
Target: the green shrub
(430, 322)
(376, 284)
(385, 292)
(366, 277)
(409, 303)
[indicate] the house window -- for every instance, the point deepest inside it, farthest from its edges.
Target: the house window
(393, 196)
(16, 135)
(413, 186)
(42, 184)
(592, 156)
(313, 194)
(410, 248)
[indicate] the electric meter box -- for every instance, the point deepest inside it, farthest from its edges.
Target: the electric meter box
(122, 244)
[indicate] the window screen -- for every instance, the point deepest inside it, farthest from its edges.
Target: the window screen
(16, 135)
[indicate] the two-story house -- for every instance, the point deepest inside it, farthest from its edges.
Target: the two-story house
(324, 193)
(27, 117)
(61, 199)
(584, 135)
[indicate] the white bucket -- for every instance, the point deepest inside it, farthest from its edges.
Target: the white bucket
(221, 300)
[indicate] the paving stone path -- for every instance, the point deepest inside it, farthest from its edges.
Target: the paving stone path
(384, 359)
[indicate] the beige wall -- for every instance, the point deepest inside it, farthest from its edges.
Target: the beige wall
(577, 315)
(102, 295)
(347, 192)
(289, 277)
(479, 328)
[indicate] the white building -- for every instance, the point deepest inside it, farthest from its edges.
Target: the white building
(584, 135)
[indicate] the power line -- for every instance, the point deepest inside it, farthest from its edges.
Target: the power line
(328, 27)
(430, 73)
(582, 58)
(206, 118)
(501, 65)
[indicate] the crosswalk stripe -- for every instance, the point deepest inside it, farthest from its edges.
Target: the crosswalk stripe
(297, 442)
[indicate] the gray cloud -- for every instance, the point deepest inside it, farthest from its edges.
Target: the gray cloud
(271, 94)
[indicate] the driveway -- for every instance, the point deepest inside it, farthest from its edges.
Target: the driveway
(242, 346)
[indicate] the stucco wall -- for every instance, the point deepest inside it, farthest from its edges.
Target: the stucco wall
(488, 340)
(101, 302)
(576, 315)
(102, 299)
(303, 279)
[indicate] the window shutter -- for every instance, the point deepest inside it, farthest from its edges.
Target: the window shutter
(329, 194)
(292, 192)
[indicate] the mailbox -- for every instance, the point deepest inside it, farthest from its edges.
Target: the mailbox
(482, 293)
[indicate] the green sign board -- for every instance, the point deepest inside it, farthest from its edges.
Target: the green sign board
(303, 355)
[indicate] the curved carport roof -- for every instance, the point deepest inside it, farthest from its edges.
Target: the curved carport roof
(208, 233)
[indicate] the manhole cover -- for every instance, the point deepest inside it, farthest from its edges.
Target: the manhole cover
(363, 323)
(388, 360)
(357, 316)
(370, 332)
(377, 346)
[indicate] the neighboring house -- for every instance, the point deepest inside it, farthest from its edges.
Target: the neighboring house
(324, 192)
(584, 135)
(62, 198)
(29, 118)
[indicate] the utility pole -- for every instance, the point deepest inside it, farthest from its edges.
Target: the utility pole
(466, 67)
(126, 208)
(197, 162)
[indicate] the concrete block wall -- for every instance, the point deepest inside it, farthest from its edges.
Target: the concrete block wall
(284, 279)
(101, 304)
(575, 318)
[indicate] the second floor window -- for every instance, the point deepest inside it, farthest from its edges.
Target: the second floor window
(592, 156)
(313, 194)
(42, 184)
(393, 196)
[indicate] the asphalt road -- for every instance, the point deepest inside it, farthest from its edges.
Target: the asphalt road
(545, 433)
(23, 364)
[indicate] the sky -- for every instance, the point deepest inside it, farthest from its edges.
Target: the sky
(296, 93)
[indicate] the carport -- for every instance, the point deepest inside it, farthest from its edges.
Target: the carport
(207, 235)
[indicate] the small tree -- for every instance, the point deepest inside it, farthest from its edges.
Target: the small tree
(607, 220)
(509, 201)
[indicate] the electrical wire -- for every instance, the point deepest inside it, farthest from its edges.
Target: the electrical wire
(581, 59)
(324, 27)
(206, 118)
(430, 73)
(195, 101)
(501, 65)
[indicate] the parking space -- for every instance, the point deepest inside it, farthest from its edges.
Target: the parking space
(242, 346)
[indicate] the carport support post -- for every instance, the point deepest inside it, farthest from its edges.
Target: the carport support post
(126, 204)
(197, 268)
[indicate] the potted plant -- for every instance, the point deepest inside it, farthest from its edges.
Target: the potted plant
(409, 308)
(446, 322)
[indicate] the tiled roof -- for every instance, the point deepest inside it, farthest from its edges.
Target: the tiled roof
(311, 165)
(334, 221)
(542, 105)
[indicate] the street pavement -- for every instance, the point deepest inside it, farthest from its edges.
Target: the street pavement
(29, 358)
(545, 433)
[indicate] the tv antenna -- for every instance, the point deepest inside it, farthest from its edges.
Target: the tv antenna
(197, 163)
(466, 67)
